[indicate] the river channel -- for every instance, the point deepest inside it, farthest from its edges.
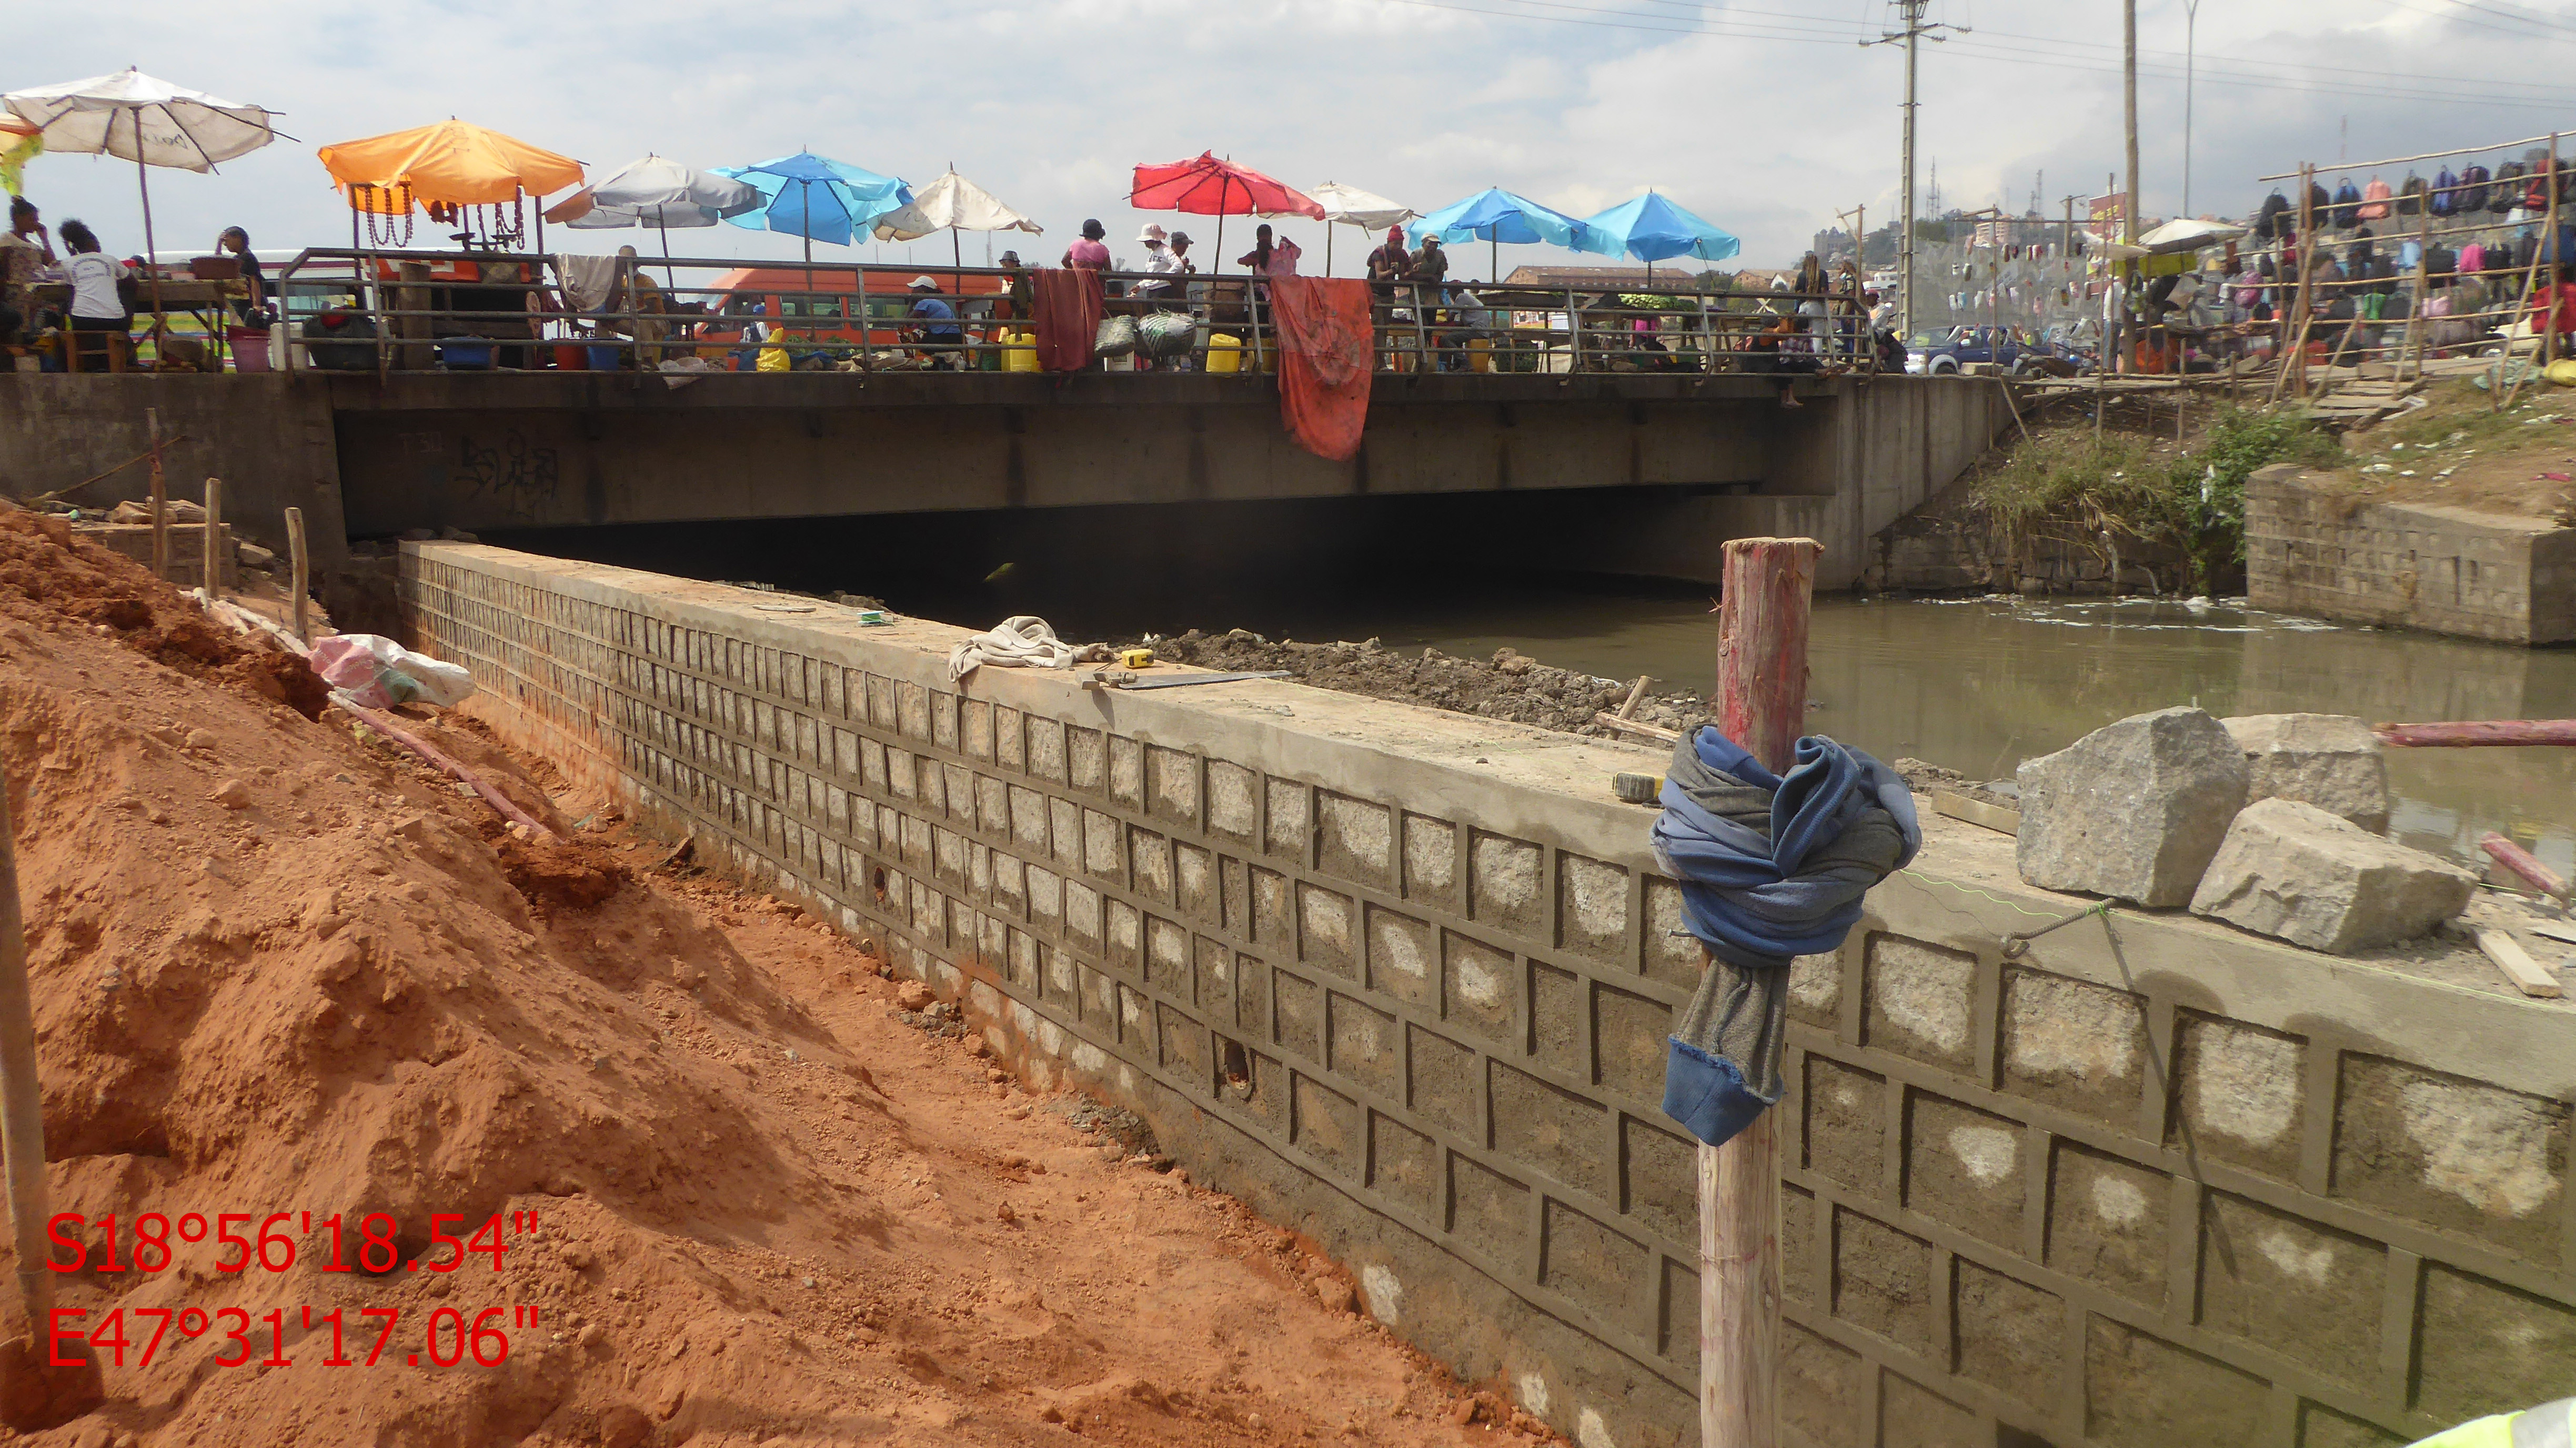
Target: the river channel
(1979, 685)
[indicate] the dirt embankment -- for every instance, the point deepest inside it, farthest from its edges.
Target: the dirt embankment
(281, 967)
(1508, 686)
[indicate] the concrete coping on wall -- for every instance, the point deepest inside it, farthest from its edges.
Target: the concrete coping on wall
(2432, 1001)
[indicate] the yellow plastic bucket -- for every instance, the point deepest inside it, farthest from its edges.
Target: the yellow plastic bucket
(1224, 353)
(1019, 351)
(1480, 354)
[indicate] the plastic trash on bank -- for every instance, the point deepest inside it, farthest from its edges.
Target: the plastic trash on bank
(380, 673)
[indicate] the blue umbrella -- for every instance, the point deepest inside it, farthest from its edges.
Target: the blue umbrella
(1651, 228)
(817, 198)
(1495, 215)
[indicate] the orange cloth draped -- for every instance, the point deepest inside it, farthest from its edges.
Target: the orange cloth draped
(1068, 305)
(1325, 344)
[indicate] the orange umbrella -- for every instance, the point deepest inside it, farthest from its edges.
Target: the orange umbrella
(450, 163)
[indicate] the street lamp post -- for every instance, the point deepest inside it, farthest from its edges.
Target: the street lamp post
(2190, 25)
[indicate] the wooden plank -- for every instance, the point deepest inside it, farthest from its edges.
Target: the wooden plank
(2553, 930)
(2527, 974)
(1976, 811)
(1637, 727)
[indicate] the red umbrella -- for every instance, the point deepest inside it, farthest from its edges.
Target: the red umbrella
(1206, 186)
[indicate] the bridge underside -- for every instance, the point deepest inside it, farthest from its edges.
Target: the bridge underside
(1682, 462)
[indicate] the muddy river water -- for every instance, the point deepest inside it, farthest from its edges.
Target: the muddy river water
(1979, 685)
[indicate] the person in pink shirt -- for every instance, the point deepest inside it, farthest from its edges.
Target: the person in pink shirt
(1271, 258)
(1090, 253)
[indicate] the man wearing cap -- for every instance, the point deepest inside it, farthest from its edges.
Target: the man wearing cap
(936, 323)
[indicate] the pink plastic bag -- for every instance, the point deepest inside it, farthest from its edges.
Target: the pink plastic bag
(380, 673)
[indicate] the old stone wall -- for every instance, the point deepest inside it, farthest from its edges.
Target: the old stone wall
(1402, 979)
(2407, 565)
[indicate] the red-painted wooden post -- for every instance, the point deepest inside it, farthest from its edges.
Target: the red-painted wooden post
(2476, 732)
(2521, 864)
(1762, 705)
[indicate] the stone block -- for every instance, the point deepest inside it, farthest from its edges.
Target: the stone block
(2303, 1290)
(1271, 924)
(1660, 1171)
(1883, 1281)
(1846, 1124)
(1630, 1035)
(1556, 1021)
(2323, 1427)
(1404, 1165)
(1964, 1167)
(2011, 1335)
(1233, 802)
(2452, 1153)
(1431, 861)
(1824, 1388)
(1046, 757)
(1476, 986)
(1442, 1077)
(1126, 771)
(1680, 1337)
(2074, 1044)
(1489, 1212)
(1252, 995)
(1194, 884)
(1671, 954)
(1212, 978)
(1799, 1255)
(1324, 929)
(1064, 829)
(1592, 1265)
(1326, 1124)
(1548, 1129)
(2107, 1218)
(2295, 871)
(2331, 761)
(2488, 1348)
(1285, 830)
(2238, 1090)
(1919, 1000)
(1504, 880)
(2143, 1392)
(1172, 786)
(1362, 1041)
(1297, 1015)
(1913, 1416)
(1400, 956)
(2133, 810)
(1151, 859)
(1592, 907)
(1356, 839)
(1816, 990)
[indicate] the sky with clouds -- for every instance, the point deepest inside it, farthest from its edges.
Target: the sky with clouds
(1766, 116)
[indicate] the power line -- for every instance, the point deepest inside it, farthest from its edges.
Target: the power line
(2517, 13)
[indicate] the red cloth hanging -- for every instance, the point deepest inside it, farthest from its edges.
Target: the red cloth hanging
(1068, 306)
(1325, 344)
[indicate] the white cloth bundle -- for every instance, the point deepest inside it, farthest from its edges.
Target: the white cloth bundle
(1015, 643)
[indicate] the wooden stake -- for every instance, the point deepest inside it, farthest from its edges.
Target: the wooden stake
(160, 500)
(1761, 704)
(1636, 696)
(303, 588)
(214, 537)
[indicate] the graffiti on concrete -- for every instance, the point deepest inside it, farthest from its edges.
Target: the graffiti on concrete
(510, 474)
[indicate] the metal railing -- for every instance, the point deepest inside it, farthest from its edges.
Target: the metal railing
(420, 311)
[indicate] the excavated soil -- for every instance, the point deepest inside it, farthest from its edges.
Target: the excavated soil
(281, 966)
(1508, 686)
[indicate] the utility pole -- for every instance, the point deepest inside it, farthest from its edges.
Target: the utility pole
(2129, 211)
(1912, 34)
(2190, 42)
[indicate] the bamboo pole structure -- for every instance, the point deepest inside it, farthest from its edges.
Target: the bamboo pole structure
(214, 538)
(302, 572)
(160, 500)
(1761, 704)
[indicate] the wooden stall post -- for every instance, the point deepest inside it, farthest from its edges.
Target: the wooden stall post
(302, 574)
(2416, 326)
(214, 538)
(1761, 704)
(160, 500)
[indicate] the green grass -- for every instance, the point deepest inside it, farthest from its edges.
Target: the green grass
(2116, 484)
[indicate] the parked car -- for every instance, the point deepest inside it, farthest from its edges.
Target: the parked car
(1962, 346)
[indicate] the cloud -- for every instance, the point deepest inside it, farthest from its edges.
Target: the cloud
(1049, 102)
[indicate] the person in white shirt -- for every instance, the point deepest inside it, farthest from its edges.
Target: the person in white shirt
(97, 306)
(1159, 262)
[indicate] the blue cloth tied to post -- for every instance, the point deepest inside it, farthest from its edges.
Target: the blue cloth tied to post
(1770, 868)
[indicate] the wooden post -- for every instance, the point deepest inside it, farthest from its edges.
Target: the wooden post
(160, 500)
(2550, 261)
(303, 587)
(1761, 704)
(2416, 326)
(214, 538)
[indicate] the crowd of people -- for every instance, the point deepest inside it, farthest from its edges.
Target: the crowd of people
(76, 302)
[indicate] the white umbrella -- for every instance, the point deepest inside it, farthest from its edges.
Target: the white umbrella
(1364, 209)
(951, 204)
(2187, 234)
(133, 117)
(657, 192)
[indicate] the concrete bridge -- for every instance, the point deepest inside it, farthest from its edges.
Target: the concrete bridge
(1668, 466)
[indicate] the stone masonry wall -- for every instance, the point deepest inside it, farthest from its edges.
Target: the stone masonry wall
(2407, 565)
(1402, 979)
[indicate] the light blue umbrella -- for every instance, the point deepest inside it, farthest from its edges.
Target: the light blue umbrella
(1495, 216)
(817, 198)
(1651, 228)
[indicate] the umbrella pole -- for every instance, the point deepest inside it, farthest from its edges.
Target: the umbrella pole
(662, 224)
(142, 172)
(1328, 246)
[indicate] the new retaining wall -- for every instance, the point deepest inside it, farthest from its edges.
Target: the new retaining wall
(1402, 979)
(2407, 565)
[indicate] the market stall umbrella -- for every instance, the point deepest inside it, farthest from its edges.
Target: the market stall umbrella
(1495, 216)
(2190, 235)
(951, 204)
(1651, 229)
(657, 192)
(133, 117)
(1353, 207)
(817, 198)
(1206, 186)
(21, 141)
(451, 163)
